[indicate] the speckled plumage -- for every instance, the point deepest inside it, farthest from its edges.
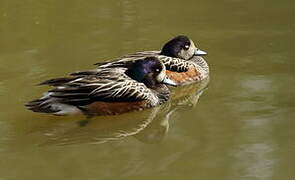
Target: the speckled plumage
(104, 91)
(182, 64)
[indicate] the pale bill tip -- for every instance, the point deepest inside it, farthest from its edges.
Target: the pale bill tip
(199, 52)
(169, 82)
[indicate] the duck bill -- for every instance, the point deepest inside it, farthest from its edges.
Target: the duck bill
(169, 82)
(199, 52)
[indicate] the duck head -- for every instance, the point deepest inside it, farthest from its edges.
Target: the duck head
(181, 47)
(150, 71)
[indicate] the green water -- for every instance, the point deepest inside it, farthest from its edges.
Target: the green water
(240, 128)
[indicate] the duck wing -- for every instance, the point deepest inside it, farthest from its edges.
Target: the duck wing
(172, 64)
(107, 86)
(124, 60)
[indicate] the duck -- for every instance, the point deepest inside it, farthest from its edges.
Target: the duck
(136, 85)
(183, 60)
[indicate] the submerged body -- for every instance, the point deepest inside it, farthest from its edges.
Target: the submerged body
(133, 86)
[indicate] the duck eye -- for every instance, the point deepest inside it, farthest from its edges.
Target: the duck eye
(186, 47)
(157, 70)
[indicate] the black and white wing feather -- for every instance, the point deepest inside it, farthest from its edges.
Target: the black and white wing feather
(104, 86)
(123, 60)
(172, 64)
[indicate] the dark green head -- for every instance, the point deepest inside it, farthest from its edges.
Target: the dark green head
(149, 71)
(181, 47)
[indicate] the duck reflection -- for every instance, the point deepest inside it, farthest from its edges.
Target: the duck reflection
(183, 98)
(148, 126)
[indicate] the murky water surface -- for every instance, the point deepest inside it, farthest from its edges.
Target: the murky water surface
(240, 127)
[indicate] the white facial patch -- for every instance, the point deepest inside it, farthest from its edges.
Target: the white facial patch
(192, 49)
(188, 52)
(162, 75)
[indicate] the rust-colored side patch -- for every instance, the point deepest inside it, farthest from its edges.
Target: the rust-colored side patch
(183, 77)
(112, 108)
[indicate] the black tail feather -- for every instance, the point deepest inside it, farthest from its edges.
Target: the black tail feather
(58, 81)
(40, 105)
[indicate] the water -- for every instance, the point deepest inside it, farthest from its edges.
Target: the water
(240, 127)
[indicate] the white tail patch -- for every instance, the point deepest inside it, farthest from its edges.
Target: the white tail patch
(62, 109)
(65, 109)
